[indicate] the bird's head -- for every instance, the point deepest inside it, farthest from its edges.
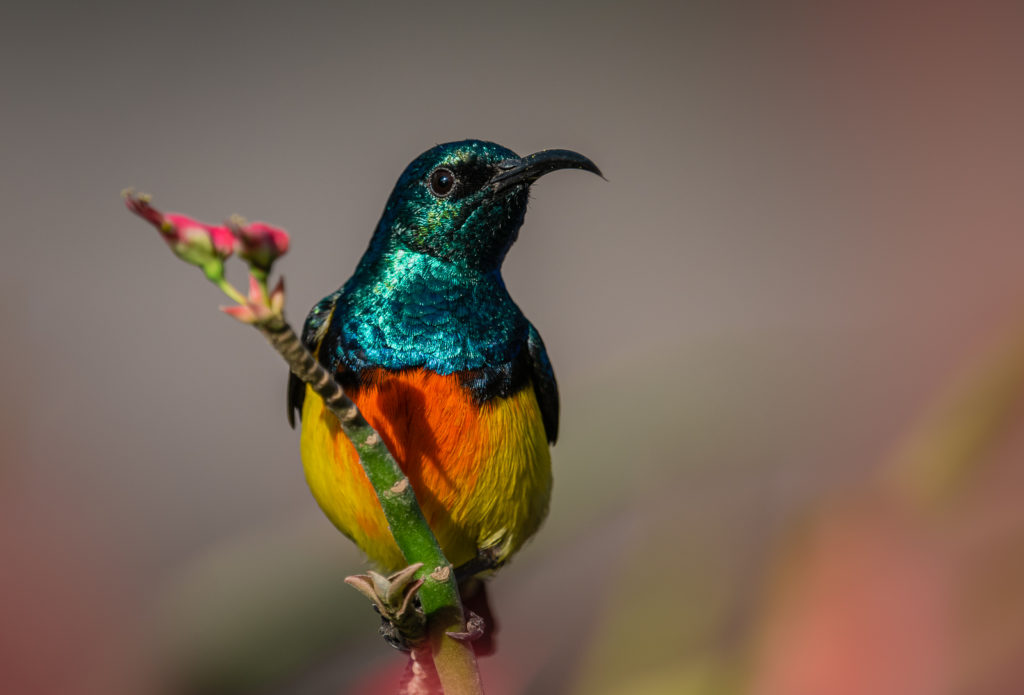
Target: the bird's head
(463, 202)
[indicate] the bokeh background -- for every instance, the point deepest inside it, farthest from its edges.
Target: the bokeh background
(790, 458)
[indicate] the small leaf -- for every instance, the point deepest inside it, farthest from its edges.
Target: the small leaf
(240, 312)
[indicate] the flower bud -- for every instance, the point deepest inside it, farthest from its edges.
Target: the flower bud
(260, 244)
(192, 241)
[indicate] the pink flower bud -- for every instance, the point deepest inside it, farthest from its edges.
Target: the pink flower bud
(260, 244)
(192, 241)
(189, 231)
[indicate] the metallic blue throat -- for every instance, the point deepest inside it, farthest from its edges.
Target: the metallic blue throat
(403, 309)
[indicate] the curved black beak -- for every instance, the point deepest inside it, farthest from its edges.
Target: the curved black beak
(528, 169)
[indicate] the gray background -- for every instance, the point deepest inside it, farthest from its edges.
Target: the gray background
(810, 218)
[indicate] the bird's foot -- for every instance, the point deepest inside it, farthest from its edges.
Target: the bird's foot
(475, 628)
(485, 561)
(491, 555)
(394, 597)
(481, 626)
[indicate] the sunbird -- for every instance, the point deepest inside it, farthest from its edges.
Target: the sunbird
(427, 342)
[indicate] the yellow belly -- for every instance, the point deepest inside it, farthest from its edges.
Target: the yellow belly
(482, 474)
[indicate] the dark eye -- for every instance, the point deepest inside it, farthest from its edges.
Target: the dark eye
(442, 181)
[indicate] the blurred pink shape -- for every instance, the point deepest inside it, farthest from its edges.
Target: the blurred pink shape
(66, 623)
(867, 607)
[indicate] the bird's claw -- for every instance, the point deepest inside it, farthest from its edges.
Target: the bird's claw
(394, 597)
(475, 627)
(491, 555)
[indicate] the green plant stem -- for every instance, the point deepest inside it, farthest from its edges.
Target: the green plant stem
(439, 596)
(228, 289)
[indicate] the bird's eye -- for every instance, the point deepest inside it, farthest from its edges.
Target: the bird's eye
(442, 181)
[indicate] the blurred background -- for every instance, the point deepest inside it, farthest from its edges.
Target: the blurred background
(787, 332)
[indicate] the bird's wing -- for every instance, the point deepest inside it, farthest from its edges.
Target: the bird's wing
(312, 333)
(544, 383)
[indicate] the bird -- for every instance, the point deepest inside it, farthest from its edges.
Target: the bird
(427, 342)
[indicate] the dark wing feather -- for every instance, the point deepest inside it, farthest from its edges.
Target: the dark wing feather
(544, 383)
(312, 333)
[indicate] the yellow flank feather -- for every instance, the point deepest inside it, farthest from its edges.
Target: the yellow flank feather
(482, 474)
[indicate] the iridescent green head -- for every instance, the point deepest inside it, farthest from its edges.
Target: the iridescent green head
(463, 202)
